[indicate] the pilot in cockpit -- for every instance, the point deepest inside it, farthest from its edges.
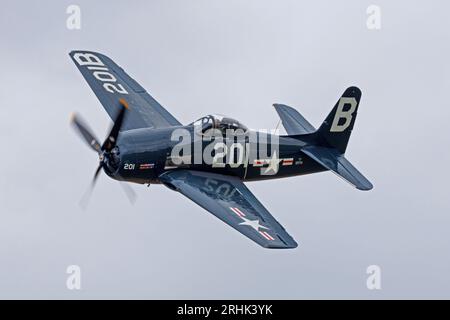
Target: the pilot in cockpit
(221, 123)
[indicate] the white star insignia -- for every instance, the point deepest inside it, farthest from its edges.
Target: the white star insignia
(252, 223)
(273, 165)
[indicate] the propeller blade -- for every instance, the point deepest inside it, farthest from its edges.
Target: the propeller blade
(84, 131)
(104, 150)
(111, 140)
(87, 195)
(97, 172)
(131, 195)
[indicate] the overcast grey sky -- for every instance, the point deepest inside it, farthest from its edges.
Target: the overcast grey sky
(235, 58)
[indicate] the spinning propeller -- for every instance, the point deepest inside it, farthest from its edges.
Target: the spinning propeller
(107, 151)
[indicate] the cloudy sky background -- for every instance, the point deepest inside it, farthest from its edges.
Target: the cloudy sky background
(235, 58)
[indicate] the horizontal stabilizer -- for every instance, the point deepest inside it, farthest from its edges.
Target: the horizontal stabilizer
(293, 121)
(336, 162)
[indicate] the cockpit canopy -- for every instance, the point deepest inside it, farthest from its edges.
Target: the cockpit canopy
(219, 122)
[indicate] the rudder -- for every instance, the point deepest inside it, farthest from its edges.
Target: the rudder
(335, 131)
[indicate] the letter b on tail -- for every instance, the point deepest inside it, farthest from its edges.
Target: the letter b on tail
(336, 129)
(341, 114)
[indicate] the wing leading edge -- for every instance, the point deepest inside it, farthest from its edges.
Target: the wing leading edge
(229, 200)
(111, 83)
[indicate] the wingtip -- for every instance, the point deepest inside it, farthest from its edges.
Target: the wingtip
(365, 188)
(291, 244)
(73, 52)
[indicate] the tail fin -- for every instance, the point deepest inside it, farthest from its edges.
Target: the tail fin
(337, 127)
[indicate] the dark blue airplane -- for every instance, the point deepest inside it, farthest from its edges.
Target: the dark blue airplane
(148, 145)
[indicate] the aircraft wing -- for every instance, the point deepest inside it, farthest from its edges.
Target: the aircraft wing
(229, 200)
(111, 83)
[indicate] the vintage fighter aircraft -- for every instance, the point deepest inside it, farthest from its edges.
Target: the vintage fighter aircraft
(140, 148)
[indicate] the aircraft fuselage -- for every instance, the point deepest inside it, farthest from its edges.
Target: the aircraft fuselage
(146, 153)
